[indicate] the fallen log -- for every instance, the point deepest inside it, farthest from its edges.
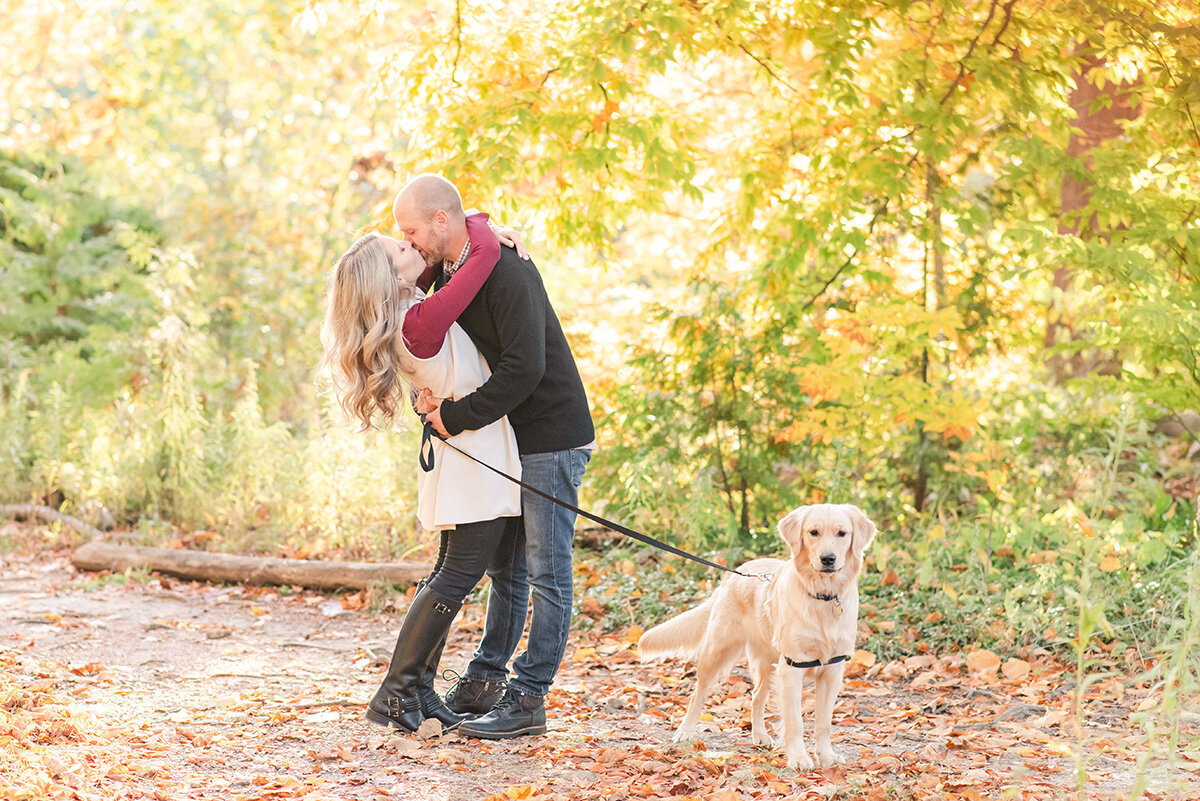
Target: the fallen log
(221, 567)
(29, 511)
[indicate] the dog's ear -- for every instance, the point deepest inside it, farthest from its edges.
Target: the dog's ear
(791, 528)
(864, 530)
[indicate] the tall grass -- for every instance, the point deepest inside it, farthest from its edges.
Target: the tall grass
(204, 460)
(1175, 677)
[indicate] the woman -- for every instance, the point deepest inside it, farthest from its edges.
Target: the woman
(380, 331)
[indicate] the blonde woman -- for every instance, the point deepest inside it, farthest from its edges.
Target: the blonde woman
(381, 336)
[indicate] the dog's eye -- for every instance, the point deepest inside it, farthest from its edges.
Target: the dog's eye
(841, 533)
(814, 533)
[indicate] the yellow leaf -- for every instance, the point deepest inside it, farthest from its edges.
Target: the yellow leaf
(946, 588)
(1110, 563)
(937, 532)
(864, 658)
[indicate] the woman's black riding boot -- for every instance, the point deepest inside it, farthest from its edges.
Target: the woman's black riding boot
(398, 700)
(432, 705)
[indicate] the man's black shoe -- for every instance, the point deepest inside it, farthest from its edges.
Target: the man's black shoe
(515, 715)
(474, 696)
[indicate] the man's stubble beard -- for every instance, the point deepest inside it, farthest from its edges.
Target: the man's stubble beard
(437, 254)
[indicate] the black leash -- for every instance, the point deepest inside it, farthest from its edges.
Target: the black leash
(426, 459)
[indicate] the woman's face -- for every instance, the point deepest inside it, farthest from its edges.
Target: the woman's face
(407, 263)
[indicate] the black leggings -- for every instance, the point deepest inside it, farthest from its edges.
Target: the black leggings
(465, 553)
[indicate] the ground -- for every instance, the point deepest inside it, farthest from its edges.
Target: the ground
(114, 688)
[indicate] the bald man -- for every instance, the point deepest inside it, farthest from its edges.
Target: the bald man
(536, 383)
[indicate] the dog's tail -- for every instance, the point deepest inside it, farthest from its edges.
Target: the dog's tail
(679, 636)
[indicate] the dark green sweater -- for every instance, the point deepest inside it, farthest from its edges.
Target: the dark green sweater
(534, 378)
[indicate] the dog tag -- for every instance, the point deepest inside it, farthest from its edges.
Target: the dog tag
(837, 606)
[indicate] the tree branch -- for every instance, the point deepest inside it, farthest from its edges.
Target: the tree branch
(764, 65)
(457, 41)
(962, 70)
(962, 62)
(1187, 106)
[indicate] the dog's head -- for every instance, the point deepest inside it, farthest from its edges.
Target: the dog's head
(827, 538)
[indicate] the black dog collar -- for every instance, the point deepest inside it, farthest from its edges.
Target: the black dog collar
(815, 662)
(820, 596)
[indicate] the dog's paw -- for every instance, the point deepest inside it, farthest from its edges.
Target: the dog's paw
(800, 760)
(762, 738)
(682, 736)
(828, 758)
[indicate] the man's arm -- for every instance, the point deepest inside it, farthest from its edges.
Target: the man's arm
(515, 300)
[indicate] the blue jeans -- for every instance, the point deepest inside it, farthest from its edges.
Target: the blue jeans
(539, 559)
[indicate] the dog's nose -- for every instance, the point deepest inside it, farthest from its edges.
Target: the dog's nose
(828, 560)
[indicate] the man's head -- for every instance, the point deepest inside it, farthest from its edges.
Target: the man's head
(429, 214)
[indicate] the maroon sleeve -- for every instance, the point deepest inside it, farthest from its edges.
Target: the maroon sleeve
(426, 323)
(428, 277)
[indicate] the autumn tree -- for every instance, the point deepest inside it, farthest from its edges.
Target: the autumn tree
(864, 209)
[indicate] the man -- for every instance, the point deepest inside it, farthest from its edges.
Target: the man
(536, 383)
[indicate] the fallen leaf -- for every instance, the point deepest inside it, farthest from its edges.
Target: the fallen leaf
(90, 669)
(726, 794)
(322, 717)
(429, 729)
(859, 662)
(1015, 669)
(983, 662)
(591, 607)
(864, 658)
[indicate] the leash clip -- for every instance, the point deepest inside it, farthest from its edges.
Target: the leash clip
(763, 577)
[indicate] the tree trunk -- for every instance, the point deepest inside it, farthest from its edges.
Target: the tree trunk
(1092, 127)
(219, 567)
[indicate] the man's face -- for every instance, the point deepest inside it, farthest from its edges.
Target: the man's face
(428, 236)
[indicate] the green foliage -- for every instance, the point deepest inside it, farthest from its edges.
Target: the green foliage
(73, 263)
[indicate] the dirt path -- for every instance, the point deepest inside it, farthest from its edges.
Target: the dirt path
(178, 690)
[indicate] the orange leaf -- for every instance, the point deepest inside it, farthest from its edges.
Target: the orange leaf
(1015, 669)
(982, 661)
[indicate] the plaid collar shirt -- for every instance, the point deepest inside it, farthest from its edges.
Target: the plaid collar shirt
(450, 268)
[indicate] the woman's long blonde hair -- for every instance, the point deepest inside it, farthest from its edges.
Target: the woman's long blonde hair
(363, 316)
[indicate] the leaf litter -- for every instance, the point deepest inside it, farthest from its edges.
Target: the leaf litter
(118, 691)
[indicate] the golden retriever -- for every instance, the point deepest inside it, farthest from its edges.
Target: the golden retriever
(799, 615)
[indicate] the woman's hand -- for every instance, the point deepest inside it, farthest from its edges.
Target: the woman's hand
(511, 238)
(425, 402)
(430, 409)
